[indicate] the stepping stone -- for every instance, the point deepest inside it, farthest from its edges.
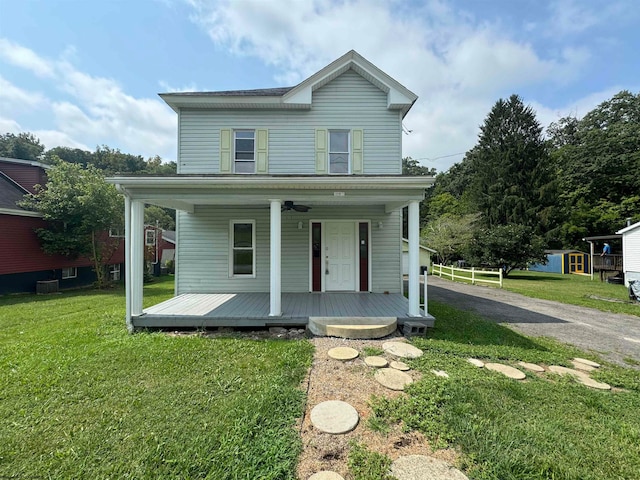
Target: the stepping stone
(377, 362)
(335, 417)
(420, 467)
(343, 353)
(475, 362)
(326, 475)
(584, 361)
(402, 350)
(582, 366)
(531, 367)
(506, 370)
(403, 367)
(581, 377)
(440, 373)
(393, 379)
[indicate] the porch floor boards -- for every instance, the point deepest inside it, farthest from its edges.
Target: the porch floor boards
(252, 309)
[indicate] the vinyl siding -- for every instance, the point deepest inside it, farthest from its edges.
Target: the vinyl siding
(203, 254)
(347, 102)
(631, 250)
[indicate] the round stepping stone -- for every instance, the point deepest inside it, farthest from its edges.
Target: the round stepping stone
(377, 362)
(403, 367)
(581, 377)
(326, 475)
(531, 367)
(335, 417)
(393, 379)
(582, 366)
(402, 350)
(506, 370)
(475, 362)
(343, 353)
(584, 361)
(420, 467)
(440, 373)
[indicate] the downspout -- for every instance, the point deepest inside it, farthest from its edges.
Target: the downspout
(591, 251)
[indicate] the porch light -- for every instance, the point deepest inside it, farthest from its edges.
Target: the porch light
(299, 225)
(380, 225)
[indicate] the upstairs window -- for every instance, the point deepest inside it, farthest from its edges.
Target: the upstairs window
(339, 151)
(243, 241)
(244, 160)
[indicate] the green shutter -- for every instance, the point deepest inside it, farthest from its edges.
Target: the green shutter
(357, 142)
(321, 151)
(225, 150)
(262, 151)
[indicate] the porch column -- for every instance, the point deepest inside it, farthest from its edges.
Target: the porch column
(414, 258)
(275, 306)
(127, 262)
(137, 256)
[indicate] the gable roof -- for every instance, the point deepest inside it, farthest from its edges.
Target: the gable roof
(10, 194)
(300, 96)
(629, 228)
(19, 161)
(422, 247)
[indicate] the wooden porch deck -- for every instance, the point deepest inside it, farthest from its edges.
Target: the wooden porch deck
(252, 309)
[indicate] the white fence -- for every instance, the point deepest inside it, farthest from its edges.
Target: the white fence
(468, 274)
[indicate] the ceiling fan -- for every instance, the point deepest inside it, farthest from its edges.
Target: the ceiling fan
(289, 205)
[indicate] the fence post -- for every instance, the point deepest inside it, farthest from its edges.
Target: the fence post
(500, 271)
(426, 302)
(473, 275)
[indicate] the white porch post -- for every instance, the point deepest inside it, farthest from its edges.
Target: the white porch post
(414, 258)
(137, 255)
(127, 261)
(275, 306)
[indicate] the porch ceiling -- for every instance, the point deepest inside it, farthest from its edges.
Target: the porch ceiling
(184, 192)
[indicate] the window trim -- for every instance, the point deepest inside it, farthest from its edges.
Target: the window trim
(72, 273)
(154, 236)
(348, 152)
(113, 269)
(232, 223)
(255, 159)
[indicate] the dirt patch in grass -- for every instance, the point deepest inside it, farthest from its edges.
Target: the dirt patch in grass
(352, 382)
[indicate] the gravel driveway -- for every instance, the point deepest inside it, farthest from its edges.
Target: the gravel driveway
(613, 336)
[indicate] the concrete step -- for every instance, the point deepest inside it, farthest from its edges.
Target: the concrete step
(353, 327)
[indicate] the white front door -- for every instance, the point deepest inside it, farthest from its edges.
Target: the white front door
(340, 259)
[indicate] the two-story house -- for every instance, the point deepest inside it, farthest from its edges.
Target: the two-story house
(289, 205)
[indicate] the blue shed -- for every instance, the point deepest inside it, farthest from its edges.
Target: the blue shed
(564, 261)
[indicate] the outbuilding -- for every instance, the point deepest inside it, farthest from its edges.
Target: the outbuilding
(564, 261)
(631, 252)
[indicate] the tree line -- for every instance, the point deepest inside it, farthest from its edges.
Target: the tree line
(520, 191)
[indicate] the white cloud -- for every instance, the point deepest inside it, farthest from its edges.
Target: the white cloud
(457, 65)
(96, 111)
(166, 88)
(23, 57)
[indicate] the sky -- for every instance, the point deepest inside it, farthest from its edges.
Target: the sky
(83, 73)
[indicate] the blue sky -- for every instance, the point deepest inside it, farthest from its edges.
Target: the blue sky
(83, 73)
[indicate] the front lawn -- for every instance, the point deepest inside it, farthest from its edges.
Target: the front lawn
(545, 427)
(81, 398)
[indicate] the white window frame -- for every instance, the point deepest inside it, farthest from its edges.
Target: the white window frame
(69, 272)
(232, 223)
(235, 161)
(114, 271)
(347, 153)
(150, 240)
(116, 233)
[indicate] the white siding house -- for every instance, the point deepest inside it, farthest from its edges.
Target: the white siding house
(631, 252)
(286, 191)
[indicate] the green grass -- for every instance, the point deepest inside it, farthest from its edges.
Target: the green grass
(367, 465)
(546, 427)
(81, 398)
(572, 289)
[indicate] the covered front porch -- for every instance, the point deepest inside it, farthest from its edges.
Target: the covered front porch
(205, 310)
(206, 299)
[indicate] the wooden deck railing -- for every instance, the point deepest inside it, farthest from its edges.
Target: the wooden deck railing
(607, 262)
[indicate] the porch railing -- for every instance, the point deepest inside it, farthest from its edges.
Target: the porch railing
(611, 262)
(469, 274)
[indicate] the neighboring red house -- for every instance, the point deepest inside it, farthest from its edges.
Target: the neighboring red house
(159, 248)
(22, 262)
